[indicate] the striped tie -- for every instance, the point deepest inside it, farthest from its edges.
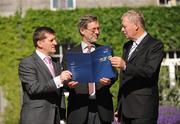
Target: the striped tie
(132, 49)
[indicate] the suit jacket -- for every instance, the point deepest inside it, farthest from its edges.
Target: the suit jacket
(78, 100)
(138, 93)
(40, 96)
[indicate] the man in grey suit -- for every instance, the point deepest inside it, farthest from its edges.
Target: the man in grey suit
(140, 64)
(42, 80)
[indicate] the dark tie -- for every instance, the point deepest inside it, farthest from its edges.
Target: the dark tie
(91, 86)
(89, 48)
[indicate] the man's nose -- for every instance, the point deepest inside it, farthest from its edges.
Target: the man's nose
(97, 31)
(122, 29)
(55, 42)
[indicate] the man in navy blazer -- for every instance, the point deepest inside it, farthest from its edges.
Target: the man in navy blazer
(42, 80)
(138, 98)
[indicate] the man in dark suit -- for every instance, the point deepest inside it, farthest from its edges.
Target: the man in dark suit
(84, 106)
(42, 80)
(138, 97)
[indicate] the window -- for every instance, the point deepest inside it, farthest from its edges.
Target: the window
(178, 2)
(54, 4)
(70, 3)
(168, 2)
(163, 1)
(62, 4)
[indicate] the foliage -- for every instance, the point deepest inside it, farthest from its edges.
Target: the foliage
(9, 55)
(169, 95)
(16, 42)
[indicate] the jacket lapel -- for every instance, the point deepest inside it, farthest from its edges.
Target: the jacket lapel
(139, 47)
(135, 52)
(57, 68)
(41, 65)
(126, 50)
(77, 48)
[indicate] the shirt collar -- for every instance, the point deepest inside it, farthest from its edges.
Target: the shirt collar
(40, 54)
(141, 38)
(84, 45)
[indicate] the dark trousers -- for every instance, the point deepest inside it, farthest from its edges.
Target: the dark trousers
(57, 116)
(93, 116)
(125, 120)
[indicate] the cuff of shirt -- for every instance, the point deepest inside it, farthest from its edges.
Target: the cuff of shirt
(58, 82)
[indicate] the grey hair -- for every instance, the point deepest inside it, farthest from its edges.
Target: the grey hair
(135, 17)
(85, 20)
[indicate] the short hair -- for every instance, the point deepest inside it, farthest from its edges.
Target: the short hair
(135, 17)
(39, 34)
(85, 20)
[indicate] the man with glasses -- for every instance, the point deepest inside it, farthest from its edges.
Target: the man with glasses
(90, 103)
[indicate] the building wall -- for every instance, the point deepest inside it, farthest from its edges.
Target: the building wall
(35, 4)
(9, 7)
(114, 3)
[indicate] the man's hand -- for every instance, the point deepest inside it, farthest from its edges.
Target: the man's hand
(105, 81)
(65, 75)
(118, 62)
(72, 84)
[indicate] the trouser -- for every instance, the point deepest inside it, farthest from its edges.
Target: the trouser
(57, 116)
(126, 120)
(93, 116)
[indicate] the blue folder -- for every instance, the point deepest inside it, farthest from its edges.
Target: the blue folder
(90, 67)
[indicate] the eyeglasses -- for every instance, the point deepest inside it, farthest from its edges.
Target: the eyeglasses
(93, 29)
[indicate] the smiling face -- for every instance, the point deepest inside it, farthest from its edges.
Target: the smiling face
(91, 33)
(48, 44)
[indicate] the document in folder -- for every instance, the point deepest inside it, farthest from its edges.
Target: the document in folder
(90, 67)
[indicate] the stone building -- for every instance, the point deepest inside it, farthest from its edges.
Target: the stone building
(9, 7)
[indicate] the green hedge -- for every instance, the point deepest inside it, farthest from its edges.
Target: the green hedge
(16, 41)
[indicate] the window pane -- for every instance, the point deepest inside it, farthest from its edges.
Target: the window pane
(55, 3)
(70, 3)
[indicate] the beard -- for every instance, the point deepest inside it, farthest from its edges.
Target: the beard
(92, 40)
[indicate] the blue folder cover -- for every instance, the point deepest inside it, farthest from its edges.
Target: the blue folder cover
(90, 67)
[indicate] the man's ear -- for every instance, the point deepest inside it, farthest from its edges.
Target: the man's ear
(82, 31)
(136, 26)
(39, 43)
